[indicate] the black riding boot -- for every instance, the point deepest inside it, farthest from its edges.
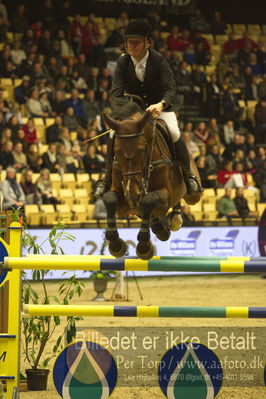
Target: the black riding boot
(182, 155)
(102, 186)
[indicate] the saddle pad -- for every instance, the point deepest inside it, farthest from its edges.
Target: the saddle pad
(166, 135)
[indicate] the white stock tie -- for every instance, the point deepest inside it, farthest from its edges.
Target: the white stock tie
(139, 71)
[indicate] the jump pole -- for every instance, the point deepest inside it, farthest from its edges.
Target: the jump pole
(10, 334)
(58, 262)
(146, 311)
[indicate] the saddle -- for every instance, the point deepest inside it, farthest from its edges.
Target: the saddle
(166, 136)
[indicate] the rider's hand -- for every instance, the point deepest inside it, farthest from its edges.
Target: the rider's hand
(155, 109)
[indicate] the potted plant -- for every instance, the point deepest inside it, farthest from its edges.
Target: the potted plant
(100, 279)
(37, 331)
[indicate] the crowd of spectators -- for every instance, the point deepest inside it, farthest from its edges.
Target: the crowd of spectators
(65, 69)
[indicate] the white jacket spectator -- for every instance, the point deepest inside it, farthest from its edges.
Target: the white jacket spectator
(33, 104)
(12, 191)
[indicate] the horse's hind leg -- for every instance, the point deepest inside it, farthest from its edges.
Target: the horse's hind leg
(117, 247)
(144, 248)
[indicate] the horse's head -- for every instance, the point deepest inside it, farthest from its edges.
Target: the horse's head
(130, 154)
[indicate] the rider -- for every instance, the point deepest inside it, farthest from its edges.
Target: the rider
(146, 73)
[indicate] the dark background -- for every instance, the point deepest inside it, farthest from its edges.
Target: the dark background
(233, 11)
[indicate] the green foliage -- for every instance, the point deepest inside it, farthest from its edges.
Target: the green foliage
(38, 330)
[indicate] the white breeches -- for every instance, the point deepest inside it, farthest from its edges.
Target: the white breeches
(171, 121)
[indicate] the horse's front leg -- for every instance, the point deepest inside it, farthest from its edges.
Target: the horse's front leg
(145, 248)
(117, 247)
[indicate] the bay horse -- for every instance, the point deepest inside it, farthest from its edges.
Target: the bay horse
(145, 181)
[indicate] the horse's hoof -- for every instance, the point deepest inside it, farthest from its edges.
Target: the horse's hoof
(162, 232)
(145, 250)
(117, 248)
(175, 221)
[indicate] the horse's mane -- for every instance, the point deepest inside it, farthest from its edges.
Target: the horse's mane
(122, 110)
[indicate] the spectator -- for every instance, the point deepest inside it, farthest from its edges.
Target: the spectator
(34, 160)
(78, 82)
(66, 159)
(19, 21)
(198, 22)
(262, 87)
(76, 34)
(225, 173)
(6, 136)
(66, 50)
(93, 79)
(250, 142)
(254, 65)
(45, 188)
(6, 155)
(230, 46)
(91, 162)
(187, 216)
(104, 102)
(214, 158)
(214, 132)
(242, 204)
(82, 67)
(17, 53)
(260, 118)
(173, 39)
(214, 93)
(158, 42)
(218, 26)
(45, 104)
(30, 131)
(20, 159)
(228, 132)
(201, 133)
(226, 205)
(32, 196)
(33, 104)
(63, 81)
(3, 29)
(100, 210)
(260, 180)
(70, 120)
(91, 106)
(58, 103)
(208, 177)
(13, 194)
(13, 125)
(75, 102)
(50, 160)
(52, 132)
(191, 144)
(122, 20)
(231, 109)
(21, 92)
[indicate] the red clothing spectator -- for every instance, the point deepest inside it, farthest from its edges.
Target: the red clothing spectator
(224, 175)
(230, 46)
(245, 41)
(173, 39)
(198, 38)
(30, 132)
(184, 40)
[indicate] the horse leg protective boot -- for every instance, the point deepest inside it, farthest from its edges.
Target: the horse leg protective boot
(102, 186)
(182, 155)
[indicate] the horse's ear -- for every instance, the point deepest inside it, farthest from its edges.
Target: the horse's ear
(112, 123)
(142, 121)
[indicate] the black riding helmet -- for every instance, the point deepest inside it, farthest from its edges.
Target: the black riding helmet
(138, 28)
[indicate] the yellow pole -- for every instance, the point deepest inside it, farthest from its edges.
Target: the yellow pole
(10, 346)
